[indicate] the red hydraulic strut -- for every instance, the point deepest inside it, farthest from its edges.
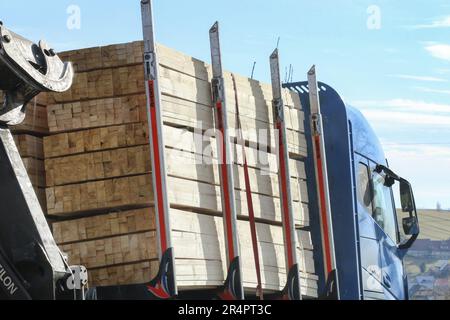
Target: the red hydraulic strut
(164, 285)
(233, 289)
(248, 192)
(292, 290)
(320, 163)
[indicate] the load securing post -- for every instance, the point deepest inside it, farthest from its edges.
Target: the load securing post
(292, 290)
(320, 164)
(248, 192)
(233, 289)
(164, 285)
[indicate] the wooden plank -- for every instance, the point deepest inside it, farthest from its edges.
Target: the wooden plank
(29, 146)
(98, 165)
(198, 247)
(170, 58)
(35, 121)
(124, 54)
(99, 195)
(205, 146)
(186, 79)
(186, 165)
(203, 142)
(136, 160)
(113, 251)
(104, 83)
(97, 113)
(202, 197)
(137, 134)
(105, 57)
(36, 171)
(103, 226)
(255, 107)
(132, 273)
(95, 140)
(104, 195)
(138, 273)
(83, 59)
(198, 243)
(178, 112)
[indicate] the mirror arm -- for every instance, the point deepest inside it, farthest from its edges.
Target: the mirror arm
(380, 168)
(407, 244)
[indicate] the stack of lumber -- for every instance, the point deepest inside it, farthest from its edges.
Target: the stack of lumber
(99, 175)
(28, 137)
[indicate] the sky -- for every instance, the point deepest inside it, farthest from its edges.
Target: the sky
(390, 59)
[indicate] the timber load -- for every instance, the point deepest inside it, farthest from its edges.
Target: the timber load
(98, 175)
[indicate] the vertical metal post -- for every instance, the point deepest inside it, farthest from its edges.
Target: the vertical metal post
(164, 285)
(248, 193)
(233, 285)
(320, 161)
(292, 290)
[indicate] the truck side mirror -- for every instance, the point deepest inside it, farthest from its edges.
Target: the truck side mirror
(411, 223)
(406, 196)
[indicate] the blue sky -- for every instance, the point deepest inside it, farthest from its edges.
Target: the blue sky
(391, 59)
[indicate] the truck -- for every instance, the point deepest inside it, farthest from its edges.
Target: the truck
(370, 243)
(360, 238)
(370, 237)
(361, 242)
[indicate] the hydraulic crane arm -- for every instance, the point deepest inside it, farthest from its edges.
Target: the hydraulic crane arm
(31, 265)
(26, 69)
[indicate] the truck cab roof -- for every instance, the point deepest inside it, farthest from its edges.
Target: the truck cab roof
(365, 141)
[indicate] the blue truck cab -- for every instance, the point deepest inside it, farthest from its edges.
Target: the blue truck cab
(370, 244)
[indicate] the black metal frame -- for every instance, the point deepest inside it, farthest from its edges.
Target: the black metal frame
(33, 266)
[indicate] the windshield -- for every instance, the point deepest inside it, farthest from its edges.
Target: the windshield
(383, 209)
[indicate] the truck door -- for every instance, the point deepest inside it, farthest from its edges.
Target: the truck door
(370, 235)
(385, 216)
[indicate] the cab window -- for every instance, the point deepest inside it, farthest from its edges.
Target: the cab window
(383, 209)
(364, 192)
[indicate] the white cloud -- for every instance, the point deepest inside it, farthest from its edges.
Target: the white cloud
(443, 22)
(439, 51)
(409, 118)
(426, 167)
(404, 105)
(417, 150)
(418, 78)
(442, 71)
(431, 90)
(419, 157)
